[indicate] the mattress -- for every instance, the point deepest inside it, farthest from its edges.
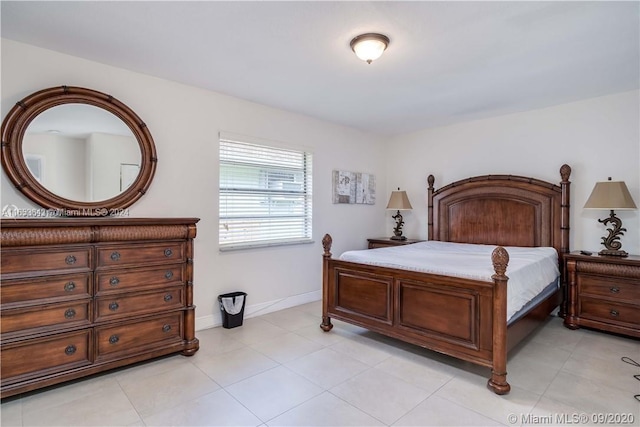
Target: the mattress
(530, 270)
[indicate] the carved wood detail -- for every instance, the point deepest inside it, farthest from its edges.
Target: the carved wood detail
(149, 232)
(616, 270)
(45, 236)
(327, 241)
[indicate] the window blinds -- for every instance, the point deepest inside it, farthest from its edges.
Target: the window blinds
(265, 195)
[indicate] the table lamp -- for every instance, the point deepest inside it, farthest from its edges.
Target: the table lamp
(611, 195)
(399, 201)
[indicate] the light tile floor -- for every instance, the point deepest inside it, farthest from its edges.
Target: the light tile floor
(280, 369)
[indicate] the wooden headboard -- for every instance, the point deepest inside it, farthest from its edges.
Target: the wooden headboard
(505, 210)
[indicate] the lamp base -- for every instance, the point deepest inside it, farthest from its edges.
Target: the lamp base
(612, 241)
(613, 252)
(398, 238)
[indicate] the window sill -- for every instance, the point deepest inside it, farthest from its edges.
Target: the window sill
(257, 245)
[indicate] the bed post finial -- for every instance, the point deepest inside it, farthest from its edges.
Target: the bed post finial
(565, 172)
(500, 260)
(327, 241)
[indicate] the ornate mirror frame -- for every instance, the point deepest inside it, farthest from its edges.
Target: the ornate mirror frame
(24, 112)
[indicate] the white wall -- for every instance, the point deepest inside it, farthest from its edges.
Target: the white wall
(598, 138)
(185, 122)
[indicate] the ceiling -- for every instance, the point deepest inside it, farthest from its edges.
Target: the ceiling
(78, 121)
(447, 62)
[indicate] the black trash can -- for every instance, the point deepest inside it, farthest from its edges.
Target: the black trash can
(232, 308)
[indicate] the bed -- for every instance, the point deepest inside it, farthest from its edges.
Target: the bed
(459, 316)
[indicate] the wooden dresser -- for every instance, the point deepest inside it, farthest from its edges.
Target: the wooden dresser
(603, 293)
(83, 295)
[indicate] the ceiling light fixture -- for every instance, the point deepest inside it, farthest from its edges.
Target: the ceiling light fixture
(369, 46)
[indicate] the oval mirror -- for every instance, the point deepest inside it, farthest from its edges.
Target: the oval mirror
(78, 151)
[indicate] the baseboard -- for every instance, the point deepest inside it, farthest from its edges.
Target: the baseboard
(253, 310)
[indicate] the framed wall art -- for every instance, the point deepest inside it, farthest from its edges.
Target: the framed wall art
(354, 188)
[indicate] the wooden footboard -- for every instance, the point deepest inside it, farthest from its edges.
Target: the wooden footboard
(463, 318)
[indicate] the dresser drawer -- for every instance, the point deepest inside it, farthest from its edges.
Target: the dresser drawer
(44, 289)
(376, 245)
(39, 357)
(110, 307)
(595, 309)
(139, 278)
(612, 287)
(40, 318)
(26, 262)
(145, 335)
(116, 255)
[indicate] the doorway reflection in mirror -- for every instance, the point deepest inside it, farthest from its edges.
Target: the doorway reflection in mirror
(35, 164)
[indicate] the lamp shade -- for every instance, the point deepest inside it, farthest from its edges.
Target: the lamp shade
(369, 47)
(399, 201)
(610, 195)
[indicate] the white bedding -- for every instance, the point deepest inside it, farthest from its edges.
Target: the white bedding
(530, 270)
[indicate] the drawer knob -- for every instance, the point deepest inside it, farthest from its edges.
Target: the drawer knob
(114, 281)
(69, 286)
(114, 306)
(70, 313)
(168, 297)
(113, 339)
(115, 256)
(166, 328)
(614, 289)
(168, 252)
(168, 274)
(70, 350)
(70, 259)
(614, 313)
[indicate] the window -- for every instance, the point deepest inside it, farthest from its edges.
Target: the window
(265, 194)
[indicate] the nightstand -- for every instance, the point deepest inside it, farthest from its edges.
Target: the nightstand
(603, 292)
(383, 242)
